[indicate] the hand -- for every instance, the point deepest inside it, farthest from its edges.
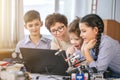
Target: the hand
(86, 46)
(72, 50)
(89, 45)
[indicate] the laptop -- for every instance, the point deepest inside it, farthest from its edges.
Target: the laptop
(44, 61)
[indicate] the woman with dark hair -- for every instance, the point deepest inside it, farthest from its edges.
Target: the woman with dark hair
(100, 50)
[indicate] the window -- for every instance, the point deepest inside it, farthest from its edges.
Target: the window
(45, 7)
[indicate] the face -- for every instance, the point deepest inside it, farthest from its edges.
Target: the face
(75, 40)
(34, 27)
(59, 30)
(88, 33)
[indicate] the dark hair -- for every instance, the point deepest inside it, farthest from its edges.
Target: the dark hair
(53, 18)
(31, 15)
(74, 27)
(93, 20)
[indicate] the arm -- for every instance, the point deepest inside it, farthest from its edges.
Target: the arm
(105, 56)
(86, 50)
(69, 52)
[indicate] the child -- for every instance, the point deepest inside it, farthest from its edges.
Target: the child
(73, 53)
(33, 24)
(100, 50)
(57, 24)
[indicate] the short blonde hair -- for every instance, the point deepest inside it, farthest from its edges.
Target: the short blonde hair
(31, 15)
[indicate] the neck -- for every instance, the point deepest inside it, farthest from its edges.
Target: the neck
(35, 39)
(66, 38)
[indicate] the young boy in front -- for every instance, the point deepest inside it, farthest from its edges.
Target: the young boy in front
(33, 24)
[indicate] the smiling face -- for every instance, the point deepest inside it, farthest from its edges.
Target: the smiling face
(34, 27)
(59, 30)
(88, 33)
(75, 40)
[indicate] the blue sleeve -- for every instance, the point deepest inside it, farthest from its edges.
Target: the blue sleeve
(106, 54)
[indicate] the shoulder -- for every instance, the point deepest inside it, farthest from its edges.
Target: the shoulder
(23, 41)
(55, 41)
(107, 41)
(46, 40)
(55, 44)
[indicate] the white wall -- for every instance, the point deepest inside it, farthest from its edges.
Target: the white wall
(104, 9)
(68, 9)
(117, 13)
(83, 7)
(107, 9)
(73, 8)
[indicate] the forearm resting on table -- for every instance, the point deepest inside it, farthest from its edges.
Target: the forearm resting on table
(88, 57)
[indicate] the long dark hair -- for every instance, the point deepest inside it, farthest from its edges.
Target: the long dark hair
(93, 20)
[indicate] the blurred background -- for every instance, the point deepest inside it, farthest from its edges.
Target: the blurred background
(11, 16)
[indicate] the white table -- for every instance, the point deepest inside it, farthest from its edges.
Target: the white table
(45, 77)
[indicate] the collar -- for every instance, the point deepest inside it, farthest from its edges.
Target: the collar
(27, 39)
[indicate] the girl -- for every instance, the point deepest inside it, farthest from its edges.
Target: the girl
(73, 53)
(100, 50)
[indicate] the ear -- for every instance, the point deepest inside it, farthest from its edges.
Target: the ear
(25, 26)
(96, 30)
(41, 23)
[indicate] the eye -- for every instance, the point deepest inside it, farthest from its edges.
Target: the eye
(74, 39)
(83, 31)
(77, 39)
(30, 25)
(37, 24)
(61, 28)
(53, 31)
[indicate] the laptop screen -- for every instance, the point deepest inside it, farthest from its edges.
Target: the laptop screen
(44, 61)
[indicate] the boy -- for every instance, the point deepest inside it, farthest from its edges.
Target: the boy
(33, 24)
